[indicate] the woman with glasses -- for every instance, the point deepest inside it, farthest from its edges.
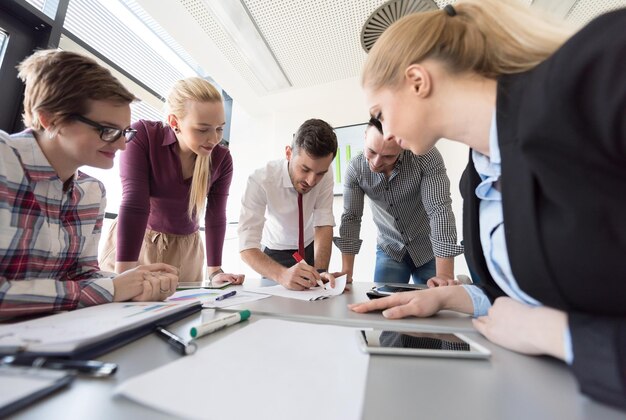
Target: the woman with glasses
(544, 114)
(171, 174)
(51, 214)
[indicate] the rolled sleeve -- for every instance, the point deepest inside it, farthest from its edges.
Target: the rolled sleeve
(435, 190)
(348, 241)
(479, 299)
(252, 216)
(348, 246)
(567, 346)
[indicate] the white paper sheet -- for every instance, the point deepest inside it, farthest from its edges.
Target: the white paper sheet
(315, 293)
(208, 297)
(203, 295)
(239, 299)
(271, 369)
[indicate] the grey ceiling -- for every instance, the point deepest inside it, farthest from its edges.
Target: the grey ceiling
(317, 42)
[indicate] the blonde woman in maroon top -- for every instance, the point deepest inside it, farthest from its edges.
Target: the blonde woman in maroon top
(171, 175)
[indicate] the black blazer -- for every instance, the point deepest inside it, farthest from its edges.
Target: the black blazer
(562, 137)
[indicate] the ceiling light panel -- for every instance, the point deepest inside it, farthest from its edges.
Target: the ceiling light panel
(222, 40)
(585, 10)
(314, 41)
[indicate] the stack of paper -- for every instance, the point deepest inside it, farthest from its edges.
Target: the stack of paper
(315, 293)
(270, 369)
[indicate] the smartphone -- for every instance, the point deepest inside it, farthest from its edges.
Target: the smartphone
(405, 343)
(390, 288)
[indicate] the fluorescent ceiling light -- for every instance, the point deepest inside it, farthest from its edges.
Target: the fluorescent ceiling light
(234, 18)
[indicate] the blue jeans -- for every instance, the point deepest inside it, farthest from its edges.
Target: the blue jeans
(389, 270)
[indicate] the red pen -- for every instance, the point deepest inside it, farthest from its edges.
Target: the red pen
(296, 256)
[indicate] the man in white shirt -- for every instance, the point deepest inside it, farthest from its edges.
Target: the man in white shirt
(287, 208)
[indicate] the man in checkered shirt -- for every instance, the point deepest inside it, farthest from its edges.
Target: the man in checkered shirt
(412, 209)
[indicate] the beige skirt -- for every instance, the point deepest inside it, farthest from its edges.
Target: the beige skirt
(185, 252)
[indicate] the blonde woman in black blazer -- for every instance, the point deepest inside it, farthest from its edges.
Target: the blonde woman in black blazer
(544, 223)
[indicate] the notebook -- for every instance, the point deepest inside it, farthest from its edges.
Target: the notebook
(89, 332)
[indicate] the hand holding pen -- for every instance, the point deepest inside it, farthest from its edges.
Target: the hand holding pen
(324, 275)
(300, 276)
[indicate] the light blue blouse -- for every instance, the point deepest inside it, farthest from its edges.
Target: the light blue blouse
(492, 234)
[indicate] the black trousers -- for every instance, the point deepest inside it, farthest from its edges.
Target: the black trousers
(285, 258)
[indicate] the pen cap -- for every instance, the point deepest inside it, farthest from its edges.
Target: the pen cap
(245, 314)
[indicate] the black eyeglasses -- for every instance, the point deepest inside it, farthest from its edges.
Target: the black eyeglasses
(108, 134)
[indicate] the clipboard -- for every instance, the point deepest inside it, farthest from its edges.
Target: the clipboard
(22, 386)
(90, 346)
(123, 338)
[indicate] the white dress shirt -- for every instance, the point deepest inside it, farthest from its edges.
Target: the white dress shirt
(269, 209)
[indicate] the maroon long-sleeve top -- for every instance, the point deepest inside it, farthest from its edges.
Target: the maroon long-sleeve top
(156, 196)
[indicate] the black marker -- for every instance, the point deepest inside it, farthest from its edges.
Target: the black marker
(93, 368)
(180, 345)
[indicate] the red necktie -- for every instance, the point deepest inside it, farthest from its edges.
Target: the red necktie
(300, 227)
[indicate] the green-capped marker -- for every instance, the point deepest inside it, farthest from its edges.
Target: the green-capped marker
(219, 323)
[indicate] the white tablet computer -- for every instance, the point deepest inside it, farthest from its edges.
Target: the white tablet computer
(405, 343)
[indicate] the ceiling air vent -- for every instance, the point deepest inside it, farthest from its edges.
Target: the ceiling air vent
(387, 14)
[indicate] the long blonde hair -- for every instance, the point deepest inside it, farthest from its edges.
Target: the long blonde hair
(194, 89)
(487, 37)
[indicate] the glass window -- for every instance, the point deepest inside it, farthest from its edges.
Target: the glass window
(48, 7)
(114, 29)
(4, 38)
(124, 33)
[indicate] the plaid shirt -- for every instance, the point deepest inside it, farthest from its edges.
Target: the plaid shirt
(48, 236)
(412, 208)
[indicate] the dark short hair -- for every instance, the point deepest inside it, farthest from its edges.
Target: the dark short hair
(316, 138)
(375, 122)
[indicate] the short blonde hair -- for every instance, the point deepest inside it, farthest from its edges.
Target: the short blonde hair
(194, 89)
(61, 83)
(487, 37)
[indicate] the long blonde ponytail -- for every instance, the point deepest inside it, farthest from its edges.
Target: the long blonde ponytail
(487, 37)
(198, 90)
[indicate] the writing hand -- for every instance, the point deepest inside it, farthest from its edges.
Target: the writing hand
(300, 276)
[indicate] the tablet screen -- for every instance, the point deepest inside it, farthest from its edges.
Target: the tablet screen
(420, 343)
(410, 340)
